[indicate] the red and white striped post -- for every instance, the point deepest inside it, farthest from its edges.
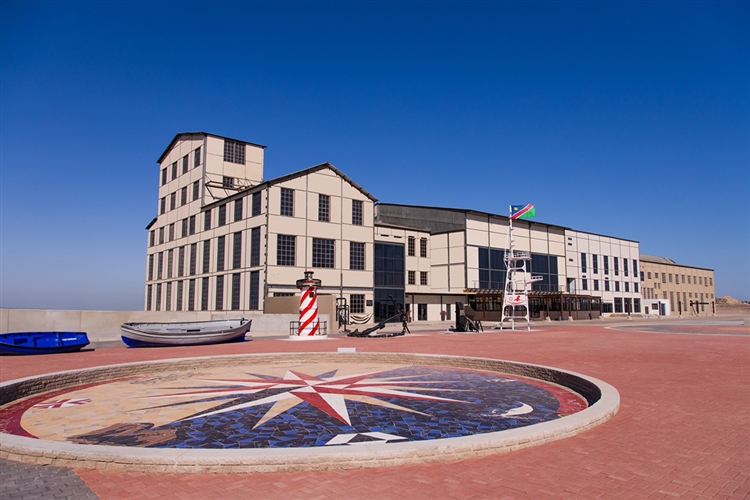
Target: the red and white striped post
(309, 325)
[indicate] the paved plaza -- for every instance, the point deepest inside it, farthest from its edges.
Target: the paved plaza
(682, 431)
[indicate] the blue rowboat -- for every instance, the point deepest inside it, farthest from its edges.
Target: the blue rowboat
(186, 333)
(42, 342)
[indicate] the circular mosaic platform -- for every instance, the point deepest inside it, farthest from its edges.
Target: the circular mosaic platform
(293, 411)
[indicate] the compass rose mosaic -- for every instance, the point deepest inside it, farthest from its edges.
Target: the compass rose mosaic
(275, 406)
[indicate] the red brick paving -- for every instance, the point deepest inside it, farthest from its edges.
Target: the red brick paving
(683, 430)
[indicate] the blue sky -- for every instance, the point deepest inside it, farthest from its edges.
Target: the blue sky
(629, 119)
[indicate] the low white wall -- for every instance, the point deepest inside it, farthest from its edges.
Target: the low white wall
(105, 325)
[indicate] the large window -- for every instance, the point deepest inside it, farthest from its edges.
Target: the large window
(238, 209)
(356, 304)
(323, 254)
(219, 293)
(207, 220)
(185, 164)
(206, 255)
(624, 267)
(191, 295)
(235, 291)
(255, 247)
(618, 305)
(287, 202)
(595, 263)
(193, 258)
(412, 277)
(150, 267)
(204, 294)
(423, 278)
(423, 247)
(324, 208)
(606, 264)
(617, 265)
(285, 250)
(197, 157)
(357, 212)
(254, 290)
(491, 268)
(356, 256)
(222, 215)
(160, 265)
(256, 203)
(220, 245)
(583, 262)
(196, 190)
(234, 152)
(178, 307)
(170, 262)
(183, 196)
(237, 251)
(411, 247)
(181, 262)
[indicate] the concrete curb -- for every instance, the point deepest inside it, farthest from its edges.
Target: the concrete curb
(604, 402)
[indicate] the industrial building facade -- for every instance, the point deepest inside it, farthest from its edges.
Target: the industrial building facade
(224, 239)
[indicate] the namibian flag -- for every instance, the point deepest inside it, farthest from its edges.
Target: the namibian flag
(522, 211)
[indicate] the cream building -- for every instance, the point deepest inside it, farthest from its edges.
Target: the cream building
(225, 239)
(689, 290)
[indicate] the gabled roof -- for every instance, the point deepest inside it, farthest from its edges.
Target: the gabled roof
(179, 134)
(294, 175)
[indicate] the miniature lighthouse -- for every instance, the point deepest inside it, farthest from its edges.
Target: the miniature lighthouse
(309, 325)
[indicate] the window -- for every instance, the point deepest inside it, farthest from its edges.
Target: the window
(174, 170)
(227, 182)
(161, 235)
(595, 263)
(635, 287)
(183, 196)
(255, 247)
(712, 281)
(179, 296)
(150, 267)
(285, 250)
(235, 291)
(191, 224)
(356, 256)
(583, 263)
(606, 285)
(700, 280)
(152, 237)
(196, 190)
(411, 251)
(423, 247)
(617, 286)
(649, 274)
(412, 277)
(234, 152)
(197, 157)
(191, 295)
(287, 202)
(256, 203)
(670, 277)
(207, 220)
(183, 228)
(254, 291)
(222, 215)
(617, 265)
(606, 264)
(238, 209)
(158, 297)
(618, 305)
(219, 293)
(173, 200)
(148, 297)
(159, 265)
(170, 263)
(688, 278)
(683, 279)
(181, 262)
(357, 304)
(635, 267)
(204, 294)
(606, 307)
(163, 176)
(163, 206)
(584, 284)
(220, 253)
(625, 267)
(596, 285)
(663, 277)
(357, 213)
(237, 251)
(193, 258)
(168, 287)
(423, 278)
(636, 305)
(171, 232)
(422, 312)
(185, 164)
(206, 255)
(643, 278)
(627, 286)
(323, 253)
(324, 208)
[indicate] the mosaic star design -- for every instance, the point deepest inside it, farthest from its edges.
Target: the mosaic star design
(326, 393)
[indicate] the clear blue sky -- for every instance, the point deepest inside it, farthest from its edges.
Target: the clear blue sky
(629, 119)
